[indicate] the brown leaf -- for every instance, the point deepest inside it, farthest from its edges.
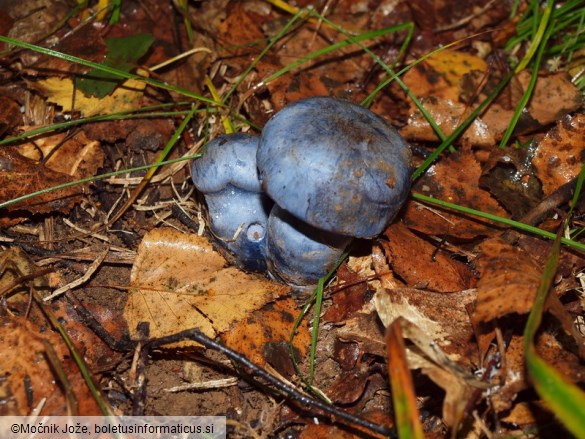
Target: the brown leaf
(269, 325)
(448, 115)
(32, 23)
(29, 375)
(451, 84)
(554, 96)
(88, 45)
(365, 329)
(560, 155)
(508, 281)
(10, 115)
(420, 264)
(458, 382)
(443, 317)
(509, 176)
(21, 176)
(514, 378)
(97, 355)
(76, 156)
(352, 296)
(239, 28)
(455, 179)
(179, 282)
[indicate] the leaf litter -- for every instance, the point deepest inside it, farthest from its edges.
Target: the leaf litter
(451, 281)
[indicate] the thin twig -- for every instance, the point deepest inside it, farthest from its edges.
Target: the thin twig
(334, 412)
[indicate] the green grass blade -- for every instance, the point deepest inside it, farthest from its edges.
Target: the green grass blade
(340, 45)
(283, 31)
(498, 219)
(319, 291)
(563, 398)
(145, 112)
(542, 39)
(538, 36)
(5, 204)
(106, 69)
(462, 127)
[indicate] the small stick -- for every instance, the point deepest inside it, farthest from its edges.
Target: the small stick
(334, 412)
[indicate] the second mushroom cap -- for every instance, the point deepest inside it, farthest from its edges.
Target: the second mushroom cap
(335, 165)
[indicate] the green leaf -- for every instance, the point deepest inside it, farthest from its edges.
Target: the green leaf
(123, 54)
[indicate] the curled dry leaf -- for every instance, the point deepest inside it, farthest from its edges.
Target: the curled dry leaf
(443, 318)
(180, 282)
(30, 377)
(20, 176)
(432, 337)
(560, 155)
(423, 265)
(76, 156)
(454, 179)
(508, 281)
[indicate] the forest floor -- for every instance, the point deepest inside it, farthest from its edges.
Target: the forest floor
(102, 230)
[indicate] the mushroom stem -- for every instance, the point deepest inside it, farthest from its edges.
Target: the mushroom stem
(297, 253)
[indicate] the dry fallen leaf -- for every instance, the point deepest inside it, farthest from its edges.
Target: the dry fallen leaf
(452, 372)
(448, 115)
(451, 84)
(423, 265)
(20, 176)
(76, 156)
(272, 324)
(29, 375)
(560, 155)
(125, 97)
(455, 179)
(508, 281)
(442, 317)
(180, 282)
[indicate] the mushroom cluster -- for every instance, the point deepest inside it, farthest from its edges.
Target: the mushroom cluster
(323, 172)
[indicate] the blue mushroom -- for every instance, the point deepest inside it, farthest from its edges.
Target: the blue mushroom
(334, 165)
(335, 171)
(297, 253)
(227, 176)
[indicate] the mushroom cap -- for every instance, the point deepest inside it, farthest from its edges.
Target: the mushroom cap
(297, 253)
(227, 160)
(334, 165)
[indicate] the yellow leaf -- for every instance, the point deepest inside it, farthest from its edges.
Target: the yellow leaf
(454, 65)
(126, 97)
(179, 282)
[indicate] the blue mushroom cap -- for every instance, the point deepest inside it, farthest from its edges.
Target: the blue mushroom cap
(238, 212)
(228, 160)
(297, 253)
(335, 165)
